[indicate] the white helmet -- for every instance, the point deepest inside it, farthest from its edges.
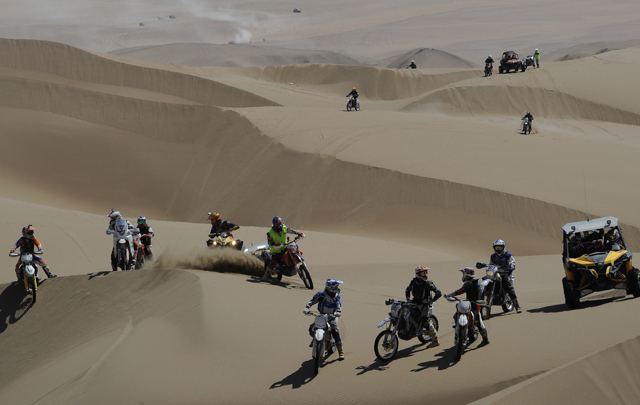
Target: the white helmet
(536, 49)
(332, 287)
(114, 215)
(489, 55)
(499, 247)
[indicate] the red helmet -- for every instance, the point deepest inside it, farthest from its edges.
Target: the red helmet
(354, 88)
(468, 273)
(422, 272)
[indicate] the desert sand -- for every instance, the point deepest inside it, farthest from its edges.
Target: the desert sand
(169, 120)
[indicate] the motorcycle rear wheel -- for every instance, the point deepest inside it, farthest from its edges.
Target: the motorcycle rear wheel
(424, 337)
(386, 350)
(508, 304)
(305, 276)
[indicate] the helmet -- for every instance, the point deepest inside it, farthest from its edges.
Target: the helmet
(499, 247)
(489, 55)
(142, 220)
(214, 216)
(354, 88)
(528, 112)
(422, 272)
(413, 61)
(332, 287)
(536, 49)
(613, 236)
(468, 273)
(277, 223)
(27, 231)
(114, 215)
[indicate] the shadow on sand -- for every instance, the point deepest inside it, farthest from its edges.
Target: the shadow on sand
(14, 304)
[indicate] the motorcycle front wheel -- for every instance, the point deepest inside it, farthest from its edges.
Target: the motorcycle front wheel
(462, 339)
(32, 287)
(318, 357)
(386, 345)
(305, 276)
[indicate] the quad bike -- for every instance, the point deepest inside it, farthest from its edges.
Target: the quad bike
(494, 292)
(400, 324)
(291, 262)
(353, 104)
(28, 272)
(224, 240)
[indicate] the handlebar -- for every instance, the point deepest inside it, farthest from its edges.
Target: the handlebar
(14, 254)
(479, 302)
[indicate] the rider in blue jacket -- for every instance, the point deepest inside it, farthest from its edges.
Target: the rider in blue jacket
(329, 303)
(507, 263)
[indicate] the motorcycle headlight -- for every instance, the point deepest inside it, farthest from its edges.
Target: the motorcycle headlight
(233, 243)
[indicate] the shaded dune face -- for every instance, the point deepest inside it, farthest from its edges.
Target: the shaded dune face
(171, 140)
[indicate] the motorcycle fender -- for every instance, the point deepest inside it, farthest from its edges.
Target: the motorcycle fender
(463, 320)
(383, 322)
(319, 335)
(123, 241)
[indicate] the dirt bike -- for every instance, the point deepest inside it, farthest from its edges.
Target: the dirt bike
(353, 104)
(224, 239)
(466, 329)
(28, 272)
(122, 246)
(488, 69)
(494, 292)
(290, 263)
(141, 252)
(323, 341)
(400, 324)
(526, 126)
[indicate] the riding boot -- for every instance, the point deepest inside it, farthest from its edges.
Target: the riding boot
(340, 352)
(48, 272)
(434, 338)
(485, 337)
(517, 305)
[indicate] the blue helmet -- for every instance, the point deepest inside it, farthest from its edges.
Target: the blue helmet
(332, 287)
(277, 224)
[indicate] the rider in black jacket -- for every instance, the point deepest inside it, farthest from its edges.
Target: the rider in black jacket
(421, 288)
(472, 289)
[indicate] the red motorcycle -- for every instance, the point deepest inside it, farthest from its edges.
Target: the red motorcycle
(291, 262)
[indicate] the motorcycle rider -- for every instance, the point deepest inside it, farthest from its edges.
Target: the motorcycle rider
(489, 60)
(147, 233)
(277, 240)
(536, 57)
(507, 263)
(114, 216)
(355, 95)
(421, 288)
(528, 115)
(413, 65)
(28, 244)
(329, 303)
(472, 289)
(218, 225)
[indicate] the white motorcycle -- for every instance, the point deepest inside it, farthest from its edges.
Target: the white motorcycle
(466, 330)
(526, 126)
(122, 254)
(322, 339)
(28, 272)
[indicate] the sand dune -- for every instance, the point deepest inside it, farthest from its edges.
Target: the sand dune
(174, 122)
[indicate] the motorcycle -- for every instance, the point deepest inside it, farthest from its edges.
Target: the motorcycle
(488, 69)
(28, 272)
(122, 246)
(353, 104)
(400, 324)
(494, 292)
(466, 329)
(526, 126)
(141, 252)
(291, 262)
(224, 239)
(323, 341)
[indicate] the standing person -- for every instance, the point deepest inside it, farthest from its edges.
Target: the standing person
(28, 244)
(507, 263)
(421, 288)
(277, 240)
(329, 303)
(146, 233)
(536, 57)
(472, 289)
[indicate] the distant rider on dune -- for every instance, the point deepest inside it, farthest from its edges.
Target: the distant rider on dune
(413, 65)
(27, 244)
(354, 94)
(536, 57)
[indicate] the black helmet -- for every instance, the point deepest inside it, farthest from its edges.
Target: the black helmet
(142, 220)
(277, 224)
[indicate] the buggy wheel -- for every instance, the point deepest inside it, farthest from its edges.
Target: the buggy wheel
(386, 345)
(633, 282)
(571, 297)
